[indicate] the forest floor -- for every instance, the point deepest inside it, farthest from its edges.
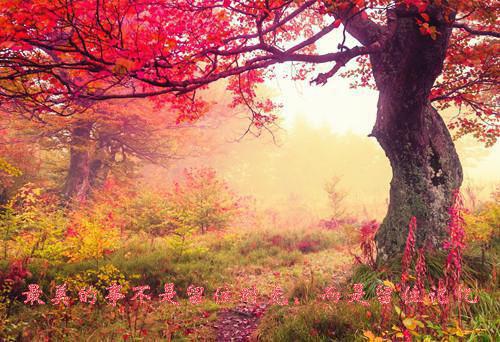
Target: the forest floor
(240, 322)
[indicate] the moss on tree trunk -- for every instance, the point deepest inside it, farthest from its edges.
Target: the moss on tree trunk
(426, 170)
(425, 165)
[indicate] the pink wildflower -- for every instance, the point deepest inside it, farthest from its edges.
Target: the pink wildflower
(368, 248)
(406, 335)
(249, 295)
(331, 294)
(442, 293)
(409, 249)
(384, 294)
(420, 270)
(466, 294)
(223, 295)
(412, 295)
(455, 244)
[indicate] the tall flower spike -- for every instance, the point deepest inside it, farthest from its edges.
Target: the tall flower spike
(409, 249)
(420, 269)
(455, 243)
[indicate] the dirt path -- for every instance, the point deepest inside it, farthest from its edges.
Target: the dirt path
(238, 323)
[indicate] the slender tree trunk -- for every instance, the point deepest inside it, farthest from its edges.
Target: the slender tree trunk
(77, 185)
(426, 168)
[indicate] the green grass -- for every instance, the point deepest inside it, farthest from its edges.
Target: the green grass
(315, 322)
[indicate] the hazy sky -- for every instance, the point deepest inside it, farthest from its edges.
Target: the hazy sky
(324, 135)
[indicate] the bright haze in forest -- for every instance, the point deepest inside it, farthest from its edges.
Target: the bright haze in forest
(323, 134)
(443, 63)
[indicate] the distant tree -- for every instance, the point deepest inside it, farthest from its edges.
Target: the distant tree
(336, 198)
(201, 201)
(106, 138)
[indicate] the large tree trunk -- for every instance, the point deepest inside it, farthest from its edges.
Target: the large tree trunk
(425, 165)
(78, 183)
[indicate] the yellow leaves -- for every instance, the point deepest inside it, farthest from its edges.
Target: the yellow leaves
(9, 169)
(458, 331)
(412, 323)
(480, 226)
(370, 336)
(92, 242)
(390, 284)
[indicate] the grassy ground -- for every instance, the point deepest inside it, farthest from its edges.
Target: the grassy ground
(301, 261)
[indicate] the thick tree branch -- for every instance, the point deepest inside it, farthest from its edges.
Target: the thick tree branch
(359, 26)
(477, 32)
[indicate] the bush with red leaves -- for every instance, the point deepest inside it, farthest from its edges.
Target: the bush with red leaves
(307, 245)
(12, 280)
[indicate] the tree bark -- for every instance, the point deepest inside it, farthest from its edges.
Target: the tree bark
(426, 168)
(77, 185)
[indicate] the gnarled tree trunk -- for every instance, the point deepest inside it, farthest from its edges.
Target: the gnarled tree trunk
(426, 168)
(77, 185)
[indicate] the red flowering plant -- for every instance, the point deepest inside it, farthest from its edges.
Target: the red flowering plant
(367, 244)
(422, 313)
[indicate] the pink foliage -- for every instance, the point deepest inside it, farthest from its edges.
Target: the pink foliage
(223, 295)
(278, 297)
(409, 250)
(331, 294)
(249, 295)
(420, 269)
(455, 243)
(384, 294)
(88, 295)
(357, 295)
(367, 245)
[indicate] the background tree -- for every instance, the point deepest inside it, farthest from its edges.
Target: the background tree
(336, 198)
(201, 202)
(421, 54)
(105, 139)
